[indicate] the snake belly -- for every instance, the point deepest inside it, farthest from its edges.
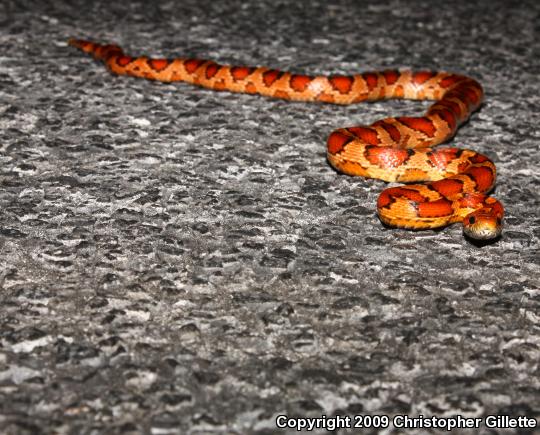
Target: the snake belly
(450, 184)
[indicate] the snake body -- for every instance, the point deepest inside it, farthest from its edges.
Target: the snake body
(452, 183)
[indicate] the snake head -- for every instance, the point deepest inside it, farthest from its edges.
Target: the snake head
(483, 224)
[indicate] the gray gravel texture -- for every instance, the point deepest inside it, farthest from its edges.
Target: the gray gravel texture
(178, 260)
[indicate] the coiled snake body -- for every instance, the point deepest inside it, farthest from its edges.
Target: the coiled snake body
(454, 181)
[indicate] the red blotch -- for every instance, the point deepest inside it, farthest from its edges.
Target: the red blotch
(447, 187)
(300, 82)
(124, 60)
(478, 158)
(422, 76)
(388, 196)
(270, 76)
(342, 84)
(403, 192)
(385, 199)
(368, 135)
(211, 70)
(472, 200)
(462, 167)
(391, 76)
(241, 72)
(423, 125)
(447, 116)
(337, 141)
(482, 176)
(191, 65)
(371, 79)
(454, 107)
(471, 96)
(441, 158)
(438, 208)
(100, 51)
(450, 80)
(386, 157)
(460, 94)
(158, 64)
(392, 130)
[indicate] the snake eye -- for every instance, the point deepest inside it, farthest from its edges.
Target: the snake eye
(472, 220)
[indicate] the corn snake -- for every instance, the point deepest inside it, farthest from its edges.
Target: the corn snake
(454, 182)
